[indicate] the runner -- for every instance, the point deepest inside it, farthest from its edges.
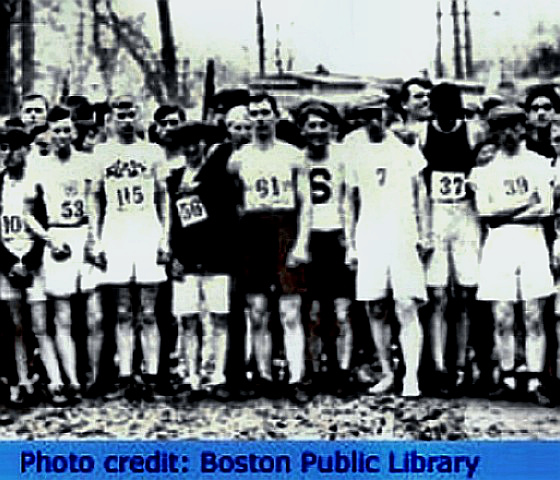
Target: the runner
(513, 194)
(386, 235)
(454, 260)
(328, 279)
(271, 240)
(202, 240)
(133, 238)
(22, 283)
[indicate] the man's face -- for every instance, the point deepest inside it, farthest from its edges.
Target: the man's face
(34, 113)
(15, 157)
(375, 126)
(263, 120)
(194, 153)
(90, 139)
(509, 138)
(555, 137)
(43, 143)
(125, 121)
(541, 112)
(167, 126)
(62, 133)
(316, 131)
(239, 129)
(418, 103)
(4, 151)
(486, 154)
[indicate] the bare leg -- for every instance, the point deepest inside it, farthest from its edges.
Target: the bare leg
(262, 341)
(377, 314)
(64, 341)
(125, 331)
(411, 340)
(294, 338)
(438, 326)
(46, 343)
(345, 339)
(150, 332)
(535, 341)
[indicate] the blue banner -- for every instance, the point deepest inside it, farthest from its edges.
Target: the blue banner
(288, 460)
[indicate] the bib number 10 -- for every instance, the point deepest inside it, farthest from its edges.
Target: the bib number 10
(11, 224)
(130, 196)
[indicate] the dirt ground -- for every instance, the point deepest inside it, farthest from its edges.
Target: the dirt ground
(326, 418)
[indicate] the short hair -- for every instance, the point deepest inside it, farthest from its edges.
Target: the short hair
(542, 91)
(83, 113)
(262, 97)
(123, 101)
(422, 82)
(164, 110)
(35, 96)
(446, 98)
(58, 113)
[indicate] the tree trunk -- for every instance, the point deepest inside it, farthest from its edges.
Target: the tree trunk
(168, 55)
(27, 47)
(5, 57)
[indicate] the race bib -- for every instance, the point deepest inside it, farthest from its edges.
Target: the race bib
(518, 186)
(14, 235)
(130, 197)
(191, 210)
(269, 193)
(448, 186)
(72, 210)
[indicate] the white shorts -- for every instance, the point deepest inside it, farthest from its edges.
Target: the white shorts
(515, 265)
(73, 274)
(132, 254)
(456, 246)
(386, 264)
(197, 293)
(35, 293)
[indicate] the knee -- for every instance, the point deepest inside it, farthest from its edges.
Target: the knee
(220, 322)
(258, 307)
(406, 310)
(342, 307)
(437, 296)
(190, 323)
(63, 319)
(39, 322)
(290, 309)
(377, 310)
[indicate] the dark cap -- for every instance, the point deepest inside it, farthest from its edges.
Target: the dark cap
(16, 138)
(226, 99)
(505, 116)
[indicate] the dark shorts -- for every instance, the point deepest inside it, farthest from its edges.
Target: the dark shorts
(266, 240)
(327, 273)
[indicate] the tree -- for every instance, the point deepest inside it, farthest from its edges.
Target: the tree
(168, 54)
(7, 10)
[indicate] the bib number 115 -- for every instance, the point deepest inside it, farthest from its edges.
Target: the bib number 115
(130, 196)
